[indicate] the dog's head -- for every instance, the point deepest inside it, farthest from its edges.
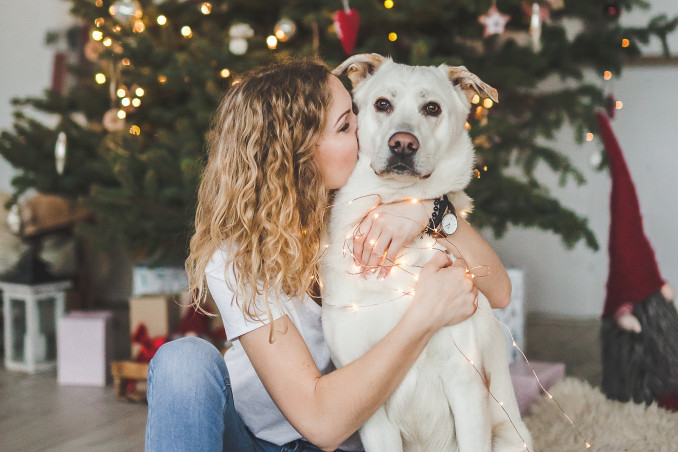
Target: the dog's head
(412, 118)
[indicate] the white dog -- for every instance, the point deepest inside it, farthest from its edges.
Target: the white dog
(413, 144)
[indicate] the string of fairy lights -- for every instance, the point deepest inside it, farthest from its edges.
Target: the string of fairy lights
(401, 264)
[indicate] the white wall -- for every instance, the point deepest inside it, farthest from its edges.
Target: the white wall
(26, 60)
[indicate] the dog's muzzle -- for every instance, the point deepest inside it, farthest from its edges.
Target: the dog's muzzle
(403, 147)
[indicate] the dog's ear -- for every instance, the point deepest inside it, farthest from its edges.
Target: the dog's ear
(470, 83)
(359, 67)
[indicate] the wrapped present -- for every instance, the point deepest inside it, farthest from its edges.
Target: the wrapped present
(513, 316)
(525, 384)
(158, 313)
(158, 280)
(84, 348)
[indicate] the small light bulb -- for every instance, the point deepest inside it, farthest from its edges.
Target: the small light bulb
(272, 42)
(625, 42)
(139, 26)
(117, 29)
(225, 73)
(475, 99)
(136, 102)
(139, 92)
(100, 78)
(97, 35)
(388, 4)
(121, 92)
(607, 75)
(186, 31)
(392, 37)
(162, 78)
(206, 8)
(589, 136)
(135, 130)
(487, 103)
(99, 21)
(467, 126)
(107, 42)
(122, 114)
(125, 102)
(618, 105)
(161, 20)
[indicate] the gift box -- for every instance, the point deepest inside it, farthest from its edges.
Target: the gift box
(527, 387)
(158, 280)
(84, 348)
(159, 314)
(513, 316)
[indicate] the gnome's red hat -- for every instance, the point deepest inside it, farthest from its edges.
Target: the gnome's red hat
(634, 274)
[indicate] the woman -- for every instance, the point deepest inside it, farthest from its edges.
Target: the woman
(283, 139)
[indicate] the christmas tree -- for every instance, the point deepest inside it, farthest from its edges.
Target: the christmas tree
(134, 109)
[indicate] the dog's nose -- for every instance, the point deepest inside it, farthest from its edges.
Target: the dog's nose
(403, 143)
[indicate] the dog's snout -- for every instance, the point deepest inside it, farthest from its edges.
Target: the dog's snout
(403, 143)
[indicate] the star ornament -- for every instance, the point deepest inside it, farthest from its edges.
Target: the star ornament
(494, 21)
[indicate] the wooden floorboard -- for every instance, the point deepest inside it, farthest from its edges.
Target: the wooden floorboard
(37, 414)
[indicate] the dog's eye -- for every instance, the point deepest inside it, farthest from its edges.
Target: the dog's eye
(432, 109)
(383, 105)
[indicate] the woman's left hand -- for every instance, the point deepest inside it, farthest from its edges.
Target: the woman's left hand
(385, 230)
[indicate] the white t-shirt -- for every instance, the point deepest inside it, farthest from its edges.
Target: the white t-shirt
(252, 402)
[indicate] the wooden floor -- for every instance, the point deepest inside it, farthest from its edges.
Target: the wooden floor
(36, 414)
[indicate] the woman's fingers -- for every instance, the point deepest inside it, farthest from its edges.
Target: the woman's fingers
(360, 239)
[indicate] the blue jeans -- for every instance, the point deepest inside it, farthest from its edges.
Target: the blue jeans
(190, 404)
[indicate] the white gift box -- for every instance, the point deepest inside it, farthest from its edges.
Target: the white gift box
(84, 348)
(158, 280)
(513, 316)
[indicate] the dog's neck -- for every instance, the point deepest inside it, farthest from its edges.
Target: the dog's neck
(446, 178)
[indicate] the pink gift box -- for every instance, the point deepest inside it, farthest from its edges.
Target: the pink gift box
(525, 384)
(84, 348)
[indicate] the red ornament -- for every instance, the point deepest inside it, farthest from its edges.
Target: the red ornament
(346, 24)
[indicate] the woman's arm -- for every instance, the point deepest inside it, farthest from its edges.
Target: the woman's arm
(396, 224)
(491, 277)
(327, 409)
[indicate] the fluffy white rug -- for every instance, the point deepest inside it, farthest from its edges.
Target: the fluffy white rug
(608, 425)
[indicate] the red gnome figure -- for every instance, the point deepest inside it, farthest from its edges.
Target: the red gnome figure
(639, 330)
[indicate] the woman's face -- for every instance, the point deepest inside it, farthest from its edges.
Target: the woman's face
(337, 151)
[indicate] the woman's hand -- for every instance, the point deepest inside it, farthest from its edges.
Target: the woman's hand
(385, 230)
(445, 294)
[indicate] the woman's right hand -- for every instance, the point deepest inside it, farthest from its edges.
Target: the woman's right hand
(444, 294)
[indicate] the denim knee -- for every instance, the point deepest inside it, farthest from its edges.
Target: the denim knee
(185, 362)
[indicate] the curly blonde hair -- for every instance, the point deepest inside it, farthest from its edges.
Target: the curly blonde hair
(262, 199)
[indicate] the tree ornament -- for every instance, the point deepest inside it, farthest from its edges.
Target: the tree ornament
(285, 29)
(60, 152)
(126, 10)
(610, 105)
(494, 21)
(535, 27)
(556, 5)
(14, 219)
(346, 23)
(612, 9)
(239, 34)
(112, 122)
(92, 50)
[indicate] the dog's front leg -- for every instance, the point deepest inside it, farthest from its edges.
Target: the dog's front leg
(472, 421)
(380, 435)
